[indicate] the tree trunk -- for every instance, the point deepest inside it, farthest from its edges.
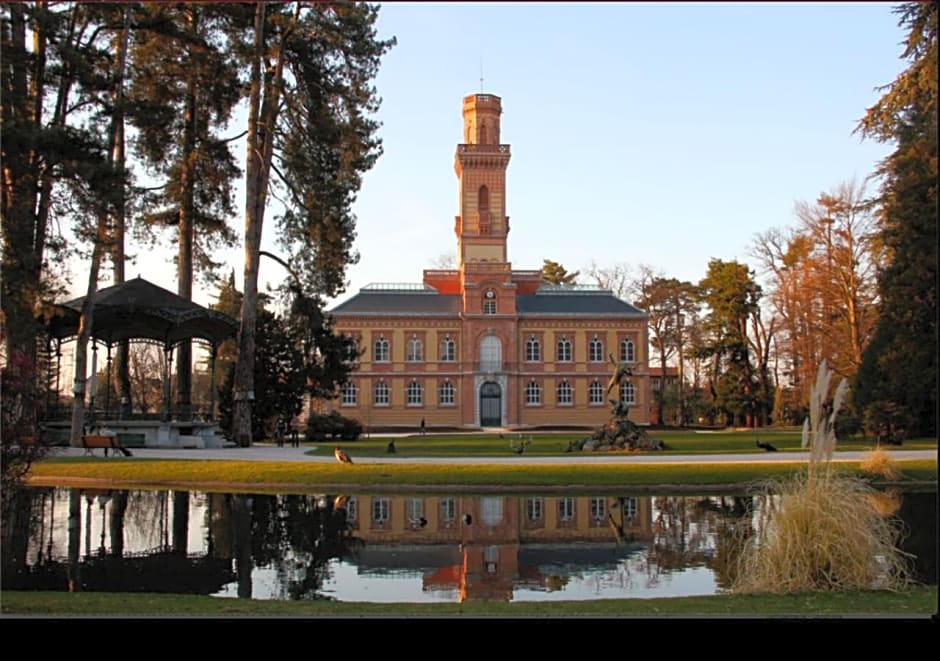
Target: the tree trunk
(123, 354)
(184, 366)
(263, 109)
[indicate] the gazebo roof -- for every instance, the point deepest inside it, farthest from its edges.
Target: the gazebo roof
(139, 309)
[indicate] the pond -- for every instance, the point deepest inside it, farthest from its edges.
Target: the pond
(395, 548)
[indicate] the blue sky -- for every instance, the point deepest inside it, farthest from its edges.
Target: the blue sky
(664, 134)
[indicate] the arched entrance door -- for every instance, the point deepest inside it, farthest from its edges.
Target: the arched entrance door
(491, 396)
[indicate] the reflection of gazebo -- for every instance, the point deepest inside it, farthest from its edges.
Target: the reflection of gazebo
(140, 311)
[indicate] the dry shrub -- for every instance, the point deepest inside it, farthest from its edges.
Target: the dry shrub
(886, 503)
(823, 532)
(878, 462)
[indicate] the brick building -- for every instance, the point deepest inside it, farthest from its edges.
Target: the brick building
(484, 345)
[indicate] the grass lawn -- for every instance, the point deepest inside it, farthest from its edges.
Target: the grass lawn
(237, 475)
(918, 603)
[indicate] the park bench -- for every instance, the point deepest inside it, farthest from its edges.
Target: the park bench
(131, 439)
(92, 441)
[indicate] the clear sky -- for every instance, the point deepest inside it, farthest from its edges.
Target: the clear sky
(664, 134)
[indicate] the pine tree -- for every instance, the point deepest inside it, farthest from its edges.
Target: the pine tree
(898, 372)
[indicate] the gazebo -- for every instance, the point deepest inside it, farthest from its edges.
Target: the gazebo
(139, 311)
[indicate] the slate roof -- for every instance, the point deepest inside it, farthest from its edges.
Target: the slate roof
(586, 303)
(377, 302)
(400, 303)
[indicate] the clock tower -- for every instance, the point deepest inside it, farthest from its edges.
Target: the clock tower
(480, 164)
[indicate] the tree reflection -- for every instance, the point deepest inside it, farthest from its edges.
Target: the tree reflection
(701, 531)
(300, 535)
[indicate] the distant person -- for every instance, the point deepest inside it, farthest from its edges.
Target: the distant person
(294, 435)
(280, 430)
(422, 426)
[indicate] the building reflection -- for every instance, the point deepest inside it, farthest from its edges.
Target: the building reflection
(469, 548)
(494, 535)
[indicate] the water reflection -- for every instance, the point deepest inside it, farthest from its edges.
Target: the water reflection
(393, 548)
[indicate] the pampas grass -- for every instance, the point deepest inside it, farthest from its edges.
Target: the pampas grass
(878, 462)
(821, 530)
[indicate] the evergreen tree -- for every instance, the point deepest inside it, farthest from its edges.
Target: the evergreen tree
(898, 372)
(555, 274)
(732, 297)
(310, 139)
(185, 86)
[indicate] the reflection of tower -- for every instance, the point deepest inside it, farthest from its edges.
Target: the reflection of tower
(490, 550)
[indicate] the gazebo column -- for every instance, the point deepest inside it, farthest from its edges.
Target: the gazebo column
(48, 383)
(107, 392)
(212, 355)
(167, 371)
(58, 373)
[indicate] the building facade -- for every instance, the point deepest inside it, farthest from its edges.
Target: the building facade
(484, 345)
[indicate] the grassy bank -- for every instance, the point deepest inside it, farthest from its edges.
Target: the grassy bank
(916, 603)
(305, 476)
(302, 476)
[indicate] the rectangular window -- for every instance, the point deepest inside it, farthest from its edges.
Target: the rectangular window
(596, 351)
(380, 350)
(414, 511)
(565, 509)
(350, 394)
(381, 394)
(448, 508)
(380, 511)
(533, 509)
(446, 394)
(533, 394)
(564, 393)
(448, 351)
(415, 353)
(414, 394)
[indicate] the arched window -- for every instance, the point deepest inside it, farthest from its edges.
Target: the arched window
(414, 393)
(627, 351)
(491, 359)
(533, 350)
(415, 352)
(563, 354)
(596, 393)
(489, 302)
(445, 394)
(533, 393)
(380, 394)
(448, 350)
(380, 350)
(483, 206)
(350, 394)
(596, 350)
(628, 392)
(563, 393)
